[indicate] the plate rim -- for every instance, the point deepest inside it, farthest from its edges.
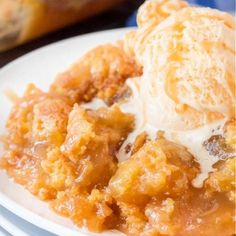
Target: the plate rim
(57, 43)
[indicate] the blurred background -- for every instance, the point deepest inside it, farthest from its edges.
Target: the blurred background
(29, 24)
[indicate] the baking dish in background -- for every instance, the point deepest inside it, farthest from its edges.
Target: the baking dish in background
(22, 20)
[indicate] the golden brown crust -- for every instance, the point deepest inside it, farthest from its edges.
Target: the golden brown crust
(100, 72)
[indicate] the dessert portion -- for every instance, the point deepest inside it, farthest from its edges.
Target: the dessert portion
(137, 136)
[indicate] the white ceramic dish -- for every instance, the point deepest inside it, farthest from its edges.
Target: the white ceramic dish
(40, 67)
(10, 224)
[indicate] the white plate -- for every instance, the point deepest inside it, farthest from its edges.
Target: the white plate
(40, 67)
(15, 225)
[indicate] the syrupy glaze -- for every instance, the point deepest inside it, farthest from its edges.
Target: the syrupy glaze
(110, 147)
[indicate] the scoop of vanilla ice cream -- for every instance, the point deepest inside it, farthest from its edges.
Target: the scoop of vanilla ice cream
(187, 88)
(188, 67)
(151, 13)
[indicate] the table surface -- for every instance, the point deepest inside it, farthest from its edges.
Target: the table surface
(114, 18)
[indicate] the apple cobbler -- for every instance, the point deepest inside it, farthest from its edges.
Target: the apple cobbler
(137, 136)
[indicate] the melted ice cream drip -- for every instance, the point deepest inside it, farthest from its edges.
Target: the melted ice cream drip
(147, 121)
(94, 104)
